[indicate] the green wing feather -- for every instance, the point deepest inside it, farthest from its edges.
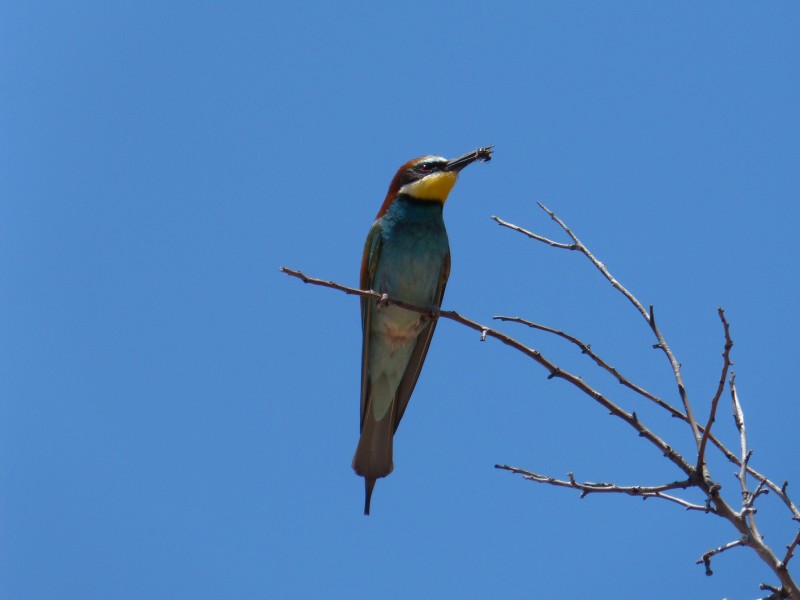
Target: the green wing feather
(414, 367)
(368, 263)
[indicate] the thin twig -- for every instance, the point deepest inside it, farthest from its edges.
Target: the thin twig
(748, 498)
(706, 558)
(578, 245)
(536, 236)
(676, 372)
(726, 363)
(790, 550)
(588, 487)
(738, 419)
(747, 505)
(779, 491)
(587, 350)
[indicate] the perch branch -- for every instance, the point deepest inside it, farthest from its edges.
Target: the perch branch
(555, 371)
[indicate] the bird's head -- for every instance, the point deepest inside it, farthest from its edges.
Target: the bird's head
(430, 177)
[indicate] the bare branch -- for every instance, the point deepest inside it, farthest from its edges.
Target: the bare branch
(707, 508)
(536, 236)
(738, 419)
(649, 316)
(726, 363)
(587, 350)
(743, 521)
(790, 551)
(600, 266)
(750, 499)
(779, 491)
(588, 487)
(777, 593)
(706, 558)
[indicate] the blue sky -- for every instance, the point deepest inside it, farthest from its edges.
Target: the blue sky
(177, 418)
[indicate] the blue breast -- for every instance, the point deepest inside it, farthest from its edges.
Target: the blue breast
(413, 246)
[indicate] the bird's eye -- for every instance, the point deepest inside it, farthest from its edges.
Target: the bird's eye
(425, 167)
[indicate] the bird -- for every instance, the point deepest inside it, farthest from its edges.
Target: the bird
(406, 258)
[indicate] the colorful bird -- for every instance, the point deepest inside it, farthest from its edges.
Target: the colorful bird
(406, 257)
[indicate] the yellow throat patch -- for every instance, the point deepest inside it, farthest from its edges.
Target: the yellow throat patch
(435, 186)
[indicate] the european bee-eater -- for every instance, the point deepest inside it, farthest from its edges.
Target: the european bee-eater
(407, 257)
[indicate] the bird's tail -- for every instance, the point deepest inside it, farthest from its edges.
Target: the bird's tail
(369, 485)
(373, 458)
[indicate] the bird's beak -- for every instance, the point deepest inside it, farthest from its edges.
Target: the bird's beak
(456, 164)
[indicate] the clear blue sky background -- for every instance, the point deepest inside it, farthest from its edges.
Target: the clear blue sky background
(177, 418)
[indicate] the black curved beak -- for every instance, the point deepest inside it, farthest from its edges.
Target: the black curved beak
(456, 164)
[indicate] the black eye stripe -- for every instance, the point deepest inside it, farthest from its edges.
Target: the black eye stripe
(429, 167)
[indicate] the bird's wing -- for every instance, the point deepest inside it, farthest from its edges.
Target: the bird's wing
(368, 263)
(414, 367)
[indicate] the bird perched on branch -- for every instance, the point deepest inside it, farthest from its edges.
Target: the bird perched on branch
(407, 258)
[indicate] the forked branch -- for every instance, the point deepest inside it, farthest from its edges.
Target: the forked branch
(648, 315)
(742, 520)
(695, 473)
